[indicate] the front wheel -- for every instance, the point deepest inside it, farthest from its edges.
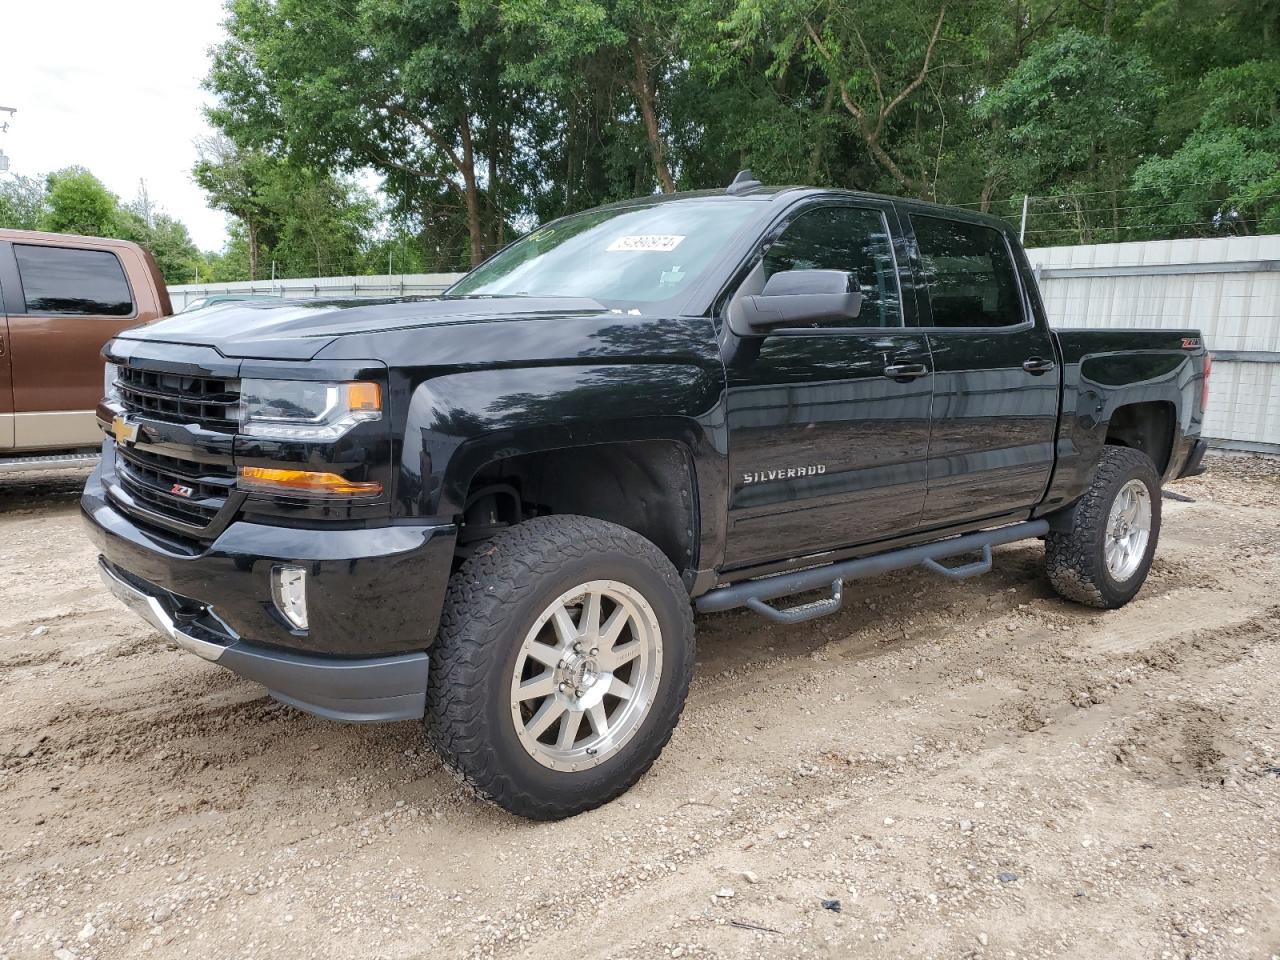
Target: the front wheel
(1103, 559)
(564, 658)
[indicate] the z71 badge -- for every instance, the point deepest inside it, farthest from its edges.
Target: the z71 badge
(1190, 343)
(784, 473)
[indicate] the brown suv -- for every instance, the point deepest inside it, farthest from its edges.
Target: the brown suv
(61, 298)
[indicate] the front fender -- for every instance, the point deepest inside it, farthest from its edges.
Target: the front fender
(459, 422)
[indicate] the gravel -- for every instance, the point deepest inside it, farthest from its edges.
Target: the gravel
(1119, 767)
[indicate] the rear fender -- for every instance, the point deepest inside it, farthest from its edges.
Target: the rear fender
(1095, 386)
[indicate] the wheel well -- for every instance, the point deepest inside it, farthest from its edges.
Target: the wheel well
(1147, 427)
(645, 486)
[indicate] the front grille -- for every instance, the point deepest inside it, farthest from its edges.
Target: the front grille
(209, 402)
(187, 491)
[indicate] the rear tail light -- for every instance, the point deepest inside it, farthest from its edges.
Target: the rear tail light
(1204, 387)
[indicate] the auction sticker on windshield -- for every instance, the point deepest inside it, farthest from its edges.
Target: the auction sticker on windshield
(647, 242)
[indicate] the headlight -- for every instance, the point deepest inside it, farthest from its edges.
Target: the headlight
(306, 409)
(110, 377)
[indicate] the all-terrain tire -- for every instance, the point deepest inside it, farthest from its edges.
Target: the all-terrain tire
(492, 603)
(1075, 559)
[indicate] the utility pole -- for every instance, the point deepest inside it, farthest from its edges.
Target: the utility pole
(4, 128)
(1022, 230)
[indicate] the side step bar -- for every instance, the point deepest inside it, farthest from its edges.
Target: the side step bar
(57, 461)
(753, 594)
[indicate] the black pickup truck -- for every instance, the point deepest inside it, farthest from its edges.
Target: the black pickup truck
(496, 511)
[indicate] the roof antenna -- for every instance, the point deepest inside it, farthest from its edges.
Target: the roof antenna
(744, 182)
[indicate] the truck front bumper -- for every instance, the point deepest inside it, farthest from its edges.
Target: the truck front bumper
(373, 597)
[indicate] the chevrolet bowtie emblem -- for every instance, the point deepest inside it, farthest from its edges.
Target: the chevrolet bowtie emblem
(124, 431)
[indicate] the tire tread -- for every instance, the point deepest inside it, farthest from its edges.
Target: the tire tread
(477, 619)
(1073, 557)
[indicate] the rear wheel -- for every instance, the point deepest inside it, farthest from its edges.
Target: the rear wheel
(562, 665)
(1103, 559)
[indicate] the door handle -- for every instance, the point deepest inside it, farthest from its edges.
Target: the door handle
(905, 371)
(1038, 365)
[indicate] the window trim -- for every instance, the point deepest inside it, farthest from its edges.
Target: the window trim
(1028, 320)
(21, 298)
(775, 227)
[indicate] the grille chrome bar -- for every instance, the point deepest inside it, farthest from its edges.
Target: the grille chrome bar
(170, 484)
(210, 402)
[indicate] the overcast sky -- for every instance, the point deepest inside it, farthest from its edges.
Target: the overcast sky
(114, 87)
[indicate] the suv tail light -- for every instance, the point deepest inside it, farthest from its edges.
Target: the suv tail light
(1204, 387)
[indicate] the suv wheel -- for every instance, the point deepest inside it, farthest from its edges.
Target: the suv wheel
(563, 662)
(1103, 559)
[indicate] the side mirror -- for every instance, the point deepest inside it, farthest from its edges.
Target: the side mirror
(801, 298)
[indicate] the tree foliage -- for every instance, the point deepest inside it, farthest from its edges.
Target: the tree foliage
(485, 116)
(74, 201)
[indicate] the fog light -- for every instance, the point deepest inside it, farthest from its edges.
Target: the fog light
(289, 591)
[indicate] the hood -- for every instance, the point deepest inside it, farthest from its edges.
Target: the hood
(300, 329)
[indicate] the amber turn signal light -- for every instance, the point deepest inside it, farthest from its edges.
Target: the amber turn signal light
(364, 396)
(306, 482)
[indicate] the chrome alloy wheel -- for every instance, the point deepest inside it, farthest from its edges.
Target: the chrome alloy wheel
(586, 675)
(1128, 530)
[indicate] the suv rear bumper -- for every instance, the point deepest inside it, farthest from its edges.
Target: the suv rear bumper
(373, 597)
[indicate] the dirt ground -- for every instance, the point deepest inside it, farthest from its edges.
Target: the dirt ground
(970, 770)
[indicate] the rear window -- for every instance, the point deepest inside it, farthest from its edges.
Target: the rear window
(62, 280)
(970, 274)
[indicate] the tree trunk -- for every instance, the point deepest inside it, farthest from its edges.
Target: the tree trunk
(988, 188)
(645, 101)
(882, 157)
(495, 230)
(254, 251)
(815, 155)
(472, 193)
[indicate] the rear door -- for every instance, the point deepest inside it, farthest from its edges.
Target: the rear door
(827, 446)
(995, 410)
(72, 301)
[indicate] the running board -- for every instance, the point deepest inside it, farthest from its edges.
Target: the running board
(753, 594)
(57, 461)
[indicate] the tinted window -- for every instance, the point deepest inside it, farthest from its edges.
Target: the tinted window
(850, 239)
(971, 277)
(61, 280)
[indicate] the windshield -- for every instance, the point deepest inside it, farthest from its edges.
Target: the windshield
(620, 257)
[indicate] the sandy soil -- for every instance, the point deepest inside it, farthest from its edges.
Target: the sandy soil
(971, 770)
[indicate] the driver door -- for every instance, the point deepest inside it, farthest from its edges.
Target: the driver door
(829, 428)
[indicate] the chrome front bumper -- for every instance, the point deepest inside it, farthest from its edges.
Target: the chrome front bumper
(351, 689)
(152, 611)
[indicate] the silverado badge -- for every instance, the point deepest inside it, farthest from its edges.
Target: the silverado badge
(784, 473)
(123, 430)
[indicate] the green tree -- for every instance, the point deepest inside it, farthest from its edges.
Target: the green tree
(23, 203)
(409, 88)
(308, 222)
(79, 203)
(1072, 118)
(166, 238)
(1226, 174)
(241, 183)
